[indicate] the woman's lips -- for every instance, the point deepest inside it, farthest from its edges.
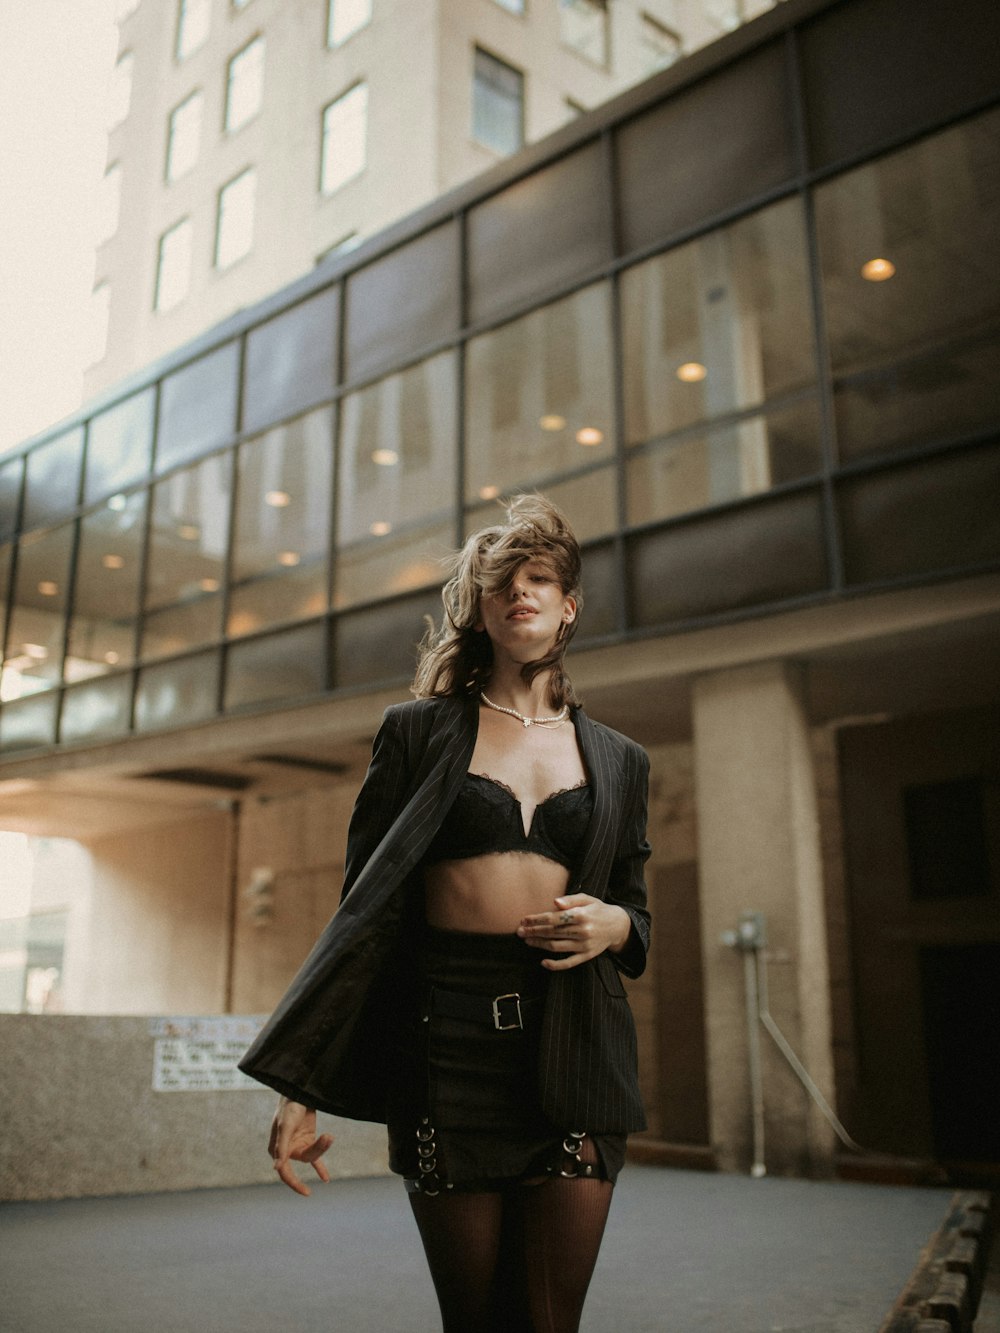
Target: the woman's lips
(521, 612)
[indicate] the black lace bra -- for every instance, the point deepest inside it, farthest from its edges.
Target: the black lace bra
(486, 818)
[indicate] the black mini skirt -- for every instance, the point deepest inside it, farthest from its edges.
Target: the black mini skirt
(467, 1114)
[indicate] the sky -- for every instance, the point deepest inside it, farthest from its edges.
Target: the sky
(56, 57)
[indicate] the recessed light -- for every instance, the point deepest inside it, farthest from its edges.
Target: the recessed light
(489, 492)
(47, 588)
(208, 585)
(552, 421)
(35, 650)
(277, 499)
(117, 503)
(691, 372)
(189, 532)
(385, 457)
(111, 561)
(112, 659)
(878, 270)
(381, 528)
(288, 558)
(589, 435)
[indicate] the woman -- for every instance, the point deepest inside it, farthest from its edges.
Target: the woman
(468, 992)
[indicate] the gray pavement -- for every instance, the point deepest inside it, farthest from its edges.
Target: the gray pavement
(685, 1252)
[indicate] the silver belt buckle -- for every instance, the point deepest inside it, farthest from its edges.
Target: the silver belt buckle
(497, 1023)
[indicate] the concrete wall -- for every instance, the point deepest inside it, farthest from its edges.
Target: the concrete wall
(79, 1117)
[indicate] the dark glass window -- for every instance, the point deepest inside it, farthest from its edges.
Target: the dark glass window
(497, 103)
(379, 643)
(36, 626)
(6, 556)
(912, 290)
(276, 666)
(10, 496)
(291, 361)
(538, 234)
(119, 446)
(706, 150)
(282, 525)
(53, 483)
(198, 407)
(98, 708)
(539, 406)
(396, 483)
(189, 533)
(106, 596)
(177, 693)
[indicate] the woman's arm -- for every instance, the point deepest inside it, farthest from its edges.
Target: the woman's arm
(379, 800)
(294, 1138)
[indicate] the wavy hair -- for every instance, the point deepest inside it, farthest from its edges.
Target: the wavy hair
(457, 658)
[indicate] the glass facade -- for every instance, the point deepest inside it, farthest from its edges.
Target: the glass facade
(754, 378)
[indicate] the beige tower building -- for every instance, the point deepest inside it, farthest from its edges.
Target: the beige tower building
(256, 137)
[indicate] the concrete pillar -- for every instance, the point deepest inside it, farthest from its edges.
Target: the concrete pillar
(759, 850)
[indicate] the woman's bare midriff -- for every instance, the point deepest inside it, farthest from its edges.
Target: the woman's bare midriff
(491, 894)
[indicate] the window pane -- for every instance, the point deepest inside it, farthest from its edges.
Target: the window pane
(198, 407)
(190, 525)
(29, 722)
(396, 482)
(497, 103)
(6, 558)
(10, 496)
(277, 666)
(291, 360)
(100, 708)
(53, 482)
(539, 396)
(184, 136)
(234, 226)
(177, 693)
(109, 200)
(106, 595)
(659, 45)
(344, 19)
(173, 267)
(908, 246)
(245, 84)
(700, 468)
(120, 90)
(282, 525)
(345, 132)
(590, 502)
(717, 325)
(193, 18)
(35, 633)
(380, 643)
(583, 25)
(119, 446)
(515, 6)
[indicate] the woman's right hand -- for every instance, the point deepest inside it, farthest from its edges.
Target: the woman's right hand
(294, 1138)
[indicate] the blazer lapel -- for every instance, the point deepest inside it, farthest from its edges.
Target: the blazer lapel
(602, 772)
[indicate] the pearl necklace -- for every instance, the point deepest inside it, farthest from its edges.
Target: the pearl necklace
(556, 721)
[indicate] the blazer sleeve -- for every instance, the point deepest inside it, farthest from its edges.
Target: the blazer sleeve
(380, 799)
(626, 883)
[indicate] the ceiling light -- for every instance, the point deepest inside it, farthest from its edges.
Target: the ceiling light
(117, 503)
(288, 558)
(691, 372)
(208, 585)
(190, 532)
(381, 528)
(589, 435)
(878, 270)
(112, 659)
(277, 499)
(552, 421)
(113, 561)
(47, 588)
(35, 651)
(489, 492)
(385, 457)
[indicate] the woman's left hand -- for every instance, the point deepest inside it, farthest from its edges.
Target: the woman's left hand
(580, 926)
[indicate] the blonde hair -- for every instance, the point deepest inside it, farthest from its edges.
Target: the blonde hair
(458, 657)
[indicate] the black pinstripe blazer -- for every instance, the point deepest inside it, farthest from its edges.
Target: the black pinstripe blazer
(329, 1042)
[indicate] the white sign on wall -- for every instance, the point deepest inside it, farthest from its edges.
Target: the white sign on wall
(200, 1054)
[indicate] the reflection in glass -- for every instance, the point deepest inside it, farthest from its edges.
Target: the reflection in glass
(119, 446)
(106, 593)
(701, 468)
(29, 722)
(290, 361)
(276, 666)
(6, 555)
(177, 693)
(930, 214)
(539, 398)
(99, 708)
(198, 407)
(10, 496)
(717, 325)
(396, 485)
(53, 482)
(33, 659)
(187, 553)
(282, 525)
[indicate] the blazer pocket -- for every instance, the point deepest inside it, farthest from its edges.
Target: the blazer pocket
(610, 977)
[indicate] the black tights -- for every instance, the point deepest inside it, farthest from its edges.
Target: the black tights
(517, 1260)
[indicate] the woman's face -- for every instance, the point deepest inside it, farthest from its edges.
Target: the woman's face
(525, 618)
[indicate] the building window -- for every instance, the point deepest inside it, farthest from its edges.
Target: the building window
(173, 269)
(120, 90)
(193, 17)
(345, 18)
(660, 45)
(184, 136)
(497, 104)
(100, 313)
(345, 131)
(515, 6)
(109, 200)
(245, 84)
(234, 226)
(584, 28)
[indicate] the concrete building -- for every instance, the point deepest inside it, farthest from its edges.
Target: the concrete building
(256, 137)
(742, 323)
